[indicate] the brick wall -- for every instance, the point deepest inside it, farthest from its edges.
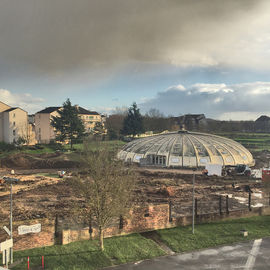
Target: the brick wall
(156, 217)
(205, 218)
(31, 240)
(141, 219)
(151, 217)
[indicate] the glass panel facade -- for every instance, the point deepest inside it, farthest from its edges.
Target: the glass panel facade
(187, 149)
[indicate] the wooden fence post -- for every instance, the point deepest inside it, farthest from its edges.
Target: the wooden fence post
(220, 205)
(227, 204)
(196, 207)
(121, 222)
(170, 211)
(249, 201)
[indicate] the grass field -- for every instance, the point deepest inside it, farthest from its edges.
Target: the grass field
(86, 254)
(94, 146)
(47, 148)
(252, 141)
(181, 239)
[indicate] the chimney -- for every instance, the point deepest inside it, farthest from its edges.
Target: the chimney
(77, 107)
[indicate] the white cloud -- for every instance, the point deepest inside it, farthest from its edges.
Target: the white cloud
(178, 87)
(218, 100)
(211, 88)
(102, 110)
(244, 116)
(25, 101)
(236, 101)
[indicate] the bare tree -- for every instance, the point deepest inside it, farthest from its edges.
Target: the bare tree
(154, 113)
(25, 133)
(106, 187)
(114, 124)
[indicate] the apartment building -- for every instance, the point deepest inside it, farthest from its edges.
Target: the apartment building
(89, 118)
(45, 132)
(14, 124)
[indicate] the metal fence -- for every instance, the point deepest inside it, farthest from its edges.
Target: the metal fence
(220, 205)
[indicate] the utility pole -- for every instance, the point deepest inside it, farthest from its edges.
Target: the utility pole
(193, 201)
(11, 181)
(10, 222)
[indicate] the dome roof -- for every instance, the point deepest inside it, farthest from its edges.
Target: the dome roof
(185, 149)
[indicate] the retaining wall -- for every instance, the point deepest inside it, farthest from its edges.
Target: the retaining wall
(31, 240)
(151, 217)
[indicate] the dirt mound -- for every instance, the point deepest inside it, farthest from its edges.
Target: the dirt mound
(261, 159)
(47, 161)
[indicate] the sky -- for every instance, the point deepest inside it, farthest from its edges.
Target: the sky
(178, 56)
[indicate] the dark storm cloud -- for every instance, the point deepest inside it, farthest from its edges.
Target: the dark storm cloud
(238, 101)
(62, 35)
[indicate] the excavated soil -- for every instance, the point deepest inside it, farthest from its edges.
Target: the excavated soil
(38, 196)
(42, 161)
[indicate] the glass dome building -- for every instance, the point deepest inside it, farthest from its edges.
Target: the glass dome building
(185, 149)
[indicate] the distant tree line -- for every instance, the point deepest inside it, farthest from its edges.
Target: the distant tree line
(130, 122)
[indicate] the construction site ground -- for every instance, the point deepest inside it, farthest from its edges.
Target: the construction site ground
(41, 193)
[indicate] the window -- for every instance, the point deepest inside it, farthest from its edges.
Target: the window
(14, 114)
(156, 160)
(14, 124)
(14, 132)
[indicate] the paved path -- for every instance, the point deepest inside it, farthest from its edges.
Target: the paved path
(247, 256)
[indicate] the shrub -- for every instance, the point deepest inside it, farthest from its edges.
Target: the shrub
(7, 147)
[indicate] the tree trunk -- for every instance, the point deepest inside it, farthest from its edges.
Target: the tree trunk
(101, 244)
(90, 228)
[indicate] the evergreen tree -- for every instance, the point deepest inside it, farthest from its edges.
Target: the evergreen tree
(133, 122)
(68, 125)
(99, 128)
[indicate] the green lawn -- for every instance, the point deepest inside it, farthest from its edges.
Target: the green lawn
(252, 141)
(181, 239)
(94, 146)
(86, 254)
(44, 149)
(47, 148)
(123, 249)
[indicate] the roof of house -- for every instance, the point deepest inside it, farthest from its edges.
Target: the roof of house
(80, 110)
(84, 111)
(11, 109)
(262, 118)
(4, 103)
(14, 108)
(49, 110)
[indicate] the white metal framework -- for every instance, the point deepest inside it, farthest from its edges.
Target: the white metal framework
(185, 149)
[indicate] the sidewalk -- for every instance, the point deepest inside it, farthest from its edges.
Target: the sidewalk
(247, 256)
